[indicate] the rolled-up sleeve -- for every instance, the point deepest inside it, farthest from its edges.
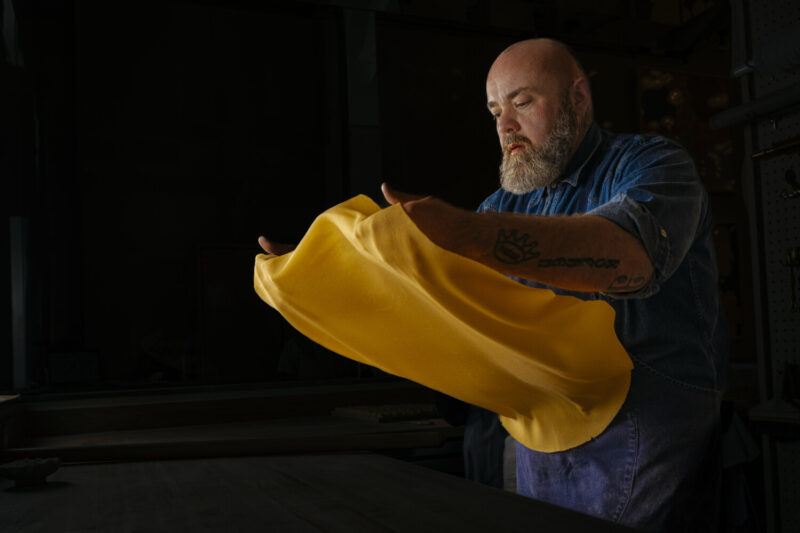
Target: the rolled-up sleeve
(658, 198)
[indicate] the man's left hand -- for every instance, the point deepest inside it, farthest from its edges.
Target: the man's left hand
(441, 222)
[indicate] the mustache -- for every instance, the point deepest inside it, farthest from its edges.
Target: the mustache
(513, 138)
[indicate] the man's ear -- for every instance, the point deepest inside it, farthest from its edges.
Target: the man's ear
(581, 96)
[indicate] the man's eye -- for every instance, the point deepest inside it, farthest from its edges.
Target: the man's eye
(521, 104)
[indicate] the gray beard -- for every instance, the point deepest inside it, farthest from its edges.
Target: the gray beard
(536, 167)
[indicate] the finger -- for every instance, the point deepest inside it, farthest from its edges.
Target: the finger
(275, 248)
(388, 193)
(393, 196)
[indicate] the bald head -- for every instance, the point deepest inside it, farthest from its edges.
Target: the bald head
(545, 69)
(539, 96)
(544, 57)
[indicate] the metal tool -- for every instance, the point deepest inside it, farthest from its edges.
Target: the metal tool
(778, 148)
(793, 261)
(791, 179)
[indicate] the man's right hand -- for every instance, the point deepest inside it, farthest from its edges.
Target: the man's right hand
(275, 248)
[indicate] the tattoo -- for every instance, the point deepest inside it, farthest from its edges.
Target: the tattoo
(623, 283)
(571, 262)
(510, 248)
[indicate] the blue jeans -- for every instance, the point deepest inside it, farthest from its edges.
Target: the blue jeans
(653, 468)
(484, 442)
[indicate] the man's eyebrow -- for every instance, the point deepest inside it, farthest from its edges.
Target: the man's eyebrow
(510, 96)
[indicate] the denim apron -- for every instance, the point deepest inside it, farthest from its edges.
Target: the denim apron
(641, 471)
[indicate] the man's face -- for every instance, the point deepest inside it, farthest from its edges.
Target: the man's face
(536, 123)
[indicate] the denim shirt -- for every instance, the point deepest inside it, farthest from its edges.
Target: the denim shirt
(648, 186)
(649, 469)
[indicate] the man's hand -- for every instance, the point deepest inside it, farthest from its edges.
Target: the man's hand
(394, 197)
(576, 252)
(275, 248)
(441, 222)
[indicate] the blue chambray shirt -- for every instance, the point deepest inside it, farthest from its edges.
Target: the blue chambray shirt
(647, 185)
(647, 469)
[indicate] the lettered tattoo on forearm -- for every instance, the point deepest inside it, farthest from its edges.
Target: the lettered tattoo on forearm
(624, 283)
(511, 248)
(572, 262)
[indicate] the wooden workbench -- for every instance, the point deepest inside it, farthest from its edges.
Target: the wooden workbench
(260, 459)
(348, 493)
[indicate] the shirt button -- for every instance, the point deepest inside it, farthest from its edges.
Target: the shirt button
(664, 233)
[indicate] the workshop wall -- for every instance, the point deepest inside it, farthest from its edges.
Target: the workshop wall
(766, 50)
(174, 135)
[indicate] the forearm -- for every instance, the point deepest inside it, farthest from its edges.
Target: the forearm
(579, 252)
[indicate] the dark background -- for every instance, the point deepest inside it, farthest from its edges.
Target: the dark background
(146, 145)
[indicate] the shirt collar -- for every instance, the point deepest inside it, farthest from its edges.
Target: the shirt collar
(587, 148)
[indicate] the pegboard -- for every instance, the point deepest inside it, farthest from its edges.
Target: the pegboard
(781, 223)
(780, 215)
(775, 224)
(769, 19)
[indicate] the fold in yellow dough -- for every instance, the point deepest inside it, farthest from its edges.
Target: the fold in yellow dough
(366, 283)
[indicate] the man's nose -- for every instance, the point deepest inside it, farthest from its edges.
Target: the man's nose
(507, 124)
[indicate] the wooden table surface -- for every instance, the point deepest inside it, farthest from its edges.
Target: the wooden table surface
(349, 493)
(280, 436)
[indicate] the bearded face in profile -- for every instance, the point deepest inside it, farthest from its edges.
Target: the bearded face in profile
(538, 166)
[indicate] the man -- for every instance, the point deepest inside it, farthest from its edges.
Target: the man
(619, 218)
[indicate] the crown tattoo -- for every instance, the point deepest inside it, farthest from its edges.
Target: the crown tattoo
(512, 248)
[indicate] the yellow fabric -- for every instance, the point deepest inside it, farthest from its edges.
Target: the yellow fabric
(366, 283)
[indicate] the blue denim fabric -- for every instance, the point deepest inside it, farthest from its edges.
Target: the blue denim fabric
(484, 443)
(648, 470)
(647, 185)
(641, 471)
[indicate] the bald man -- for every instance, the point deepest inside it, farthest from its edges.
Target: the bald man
(623, 218)
(541, 103)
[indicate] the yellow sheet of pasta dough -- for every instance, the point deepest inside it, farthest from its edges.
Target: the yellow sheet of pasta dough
(366, 283)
